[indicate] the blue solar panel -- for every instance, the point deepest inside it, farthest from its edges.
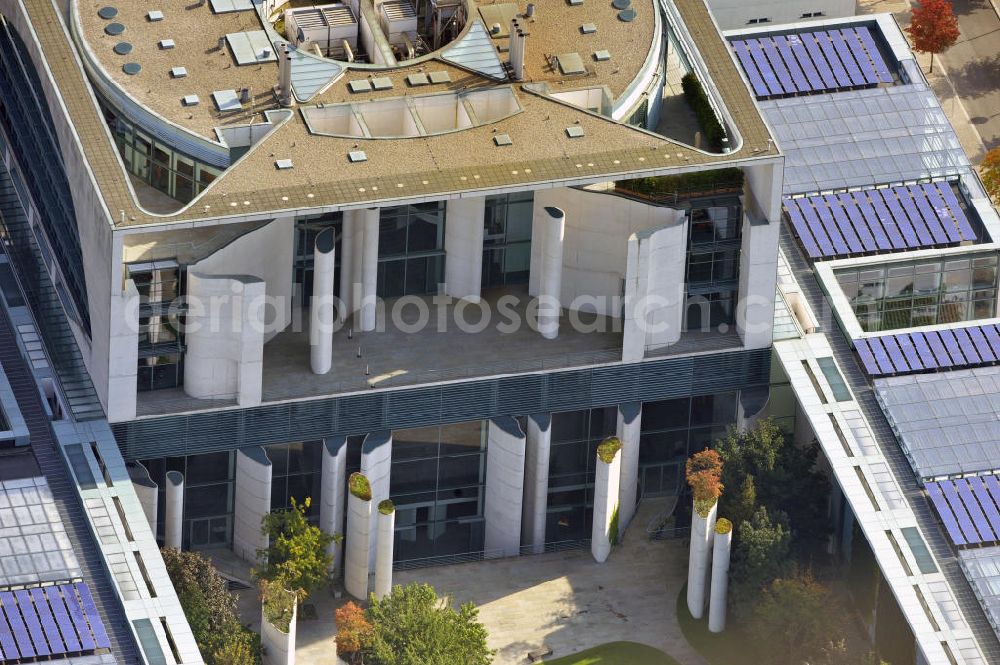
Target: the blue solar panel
(774, 58)
(902, 198)
(766, 72)
(885, 76)
(982, 524)
(942, 228)
(870, 234)
(809, 212)
(33, 624)
(802, 230)
(857, 78)
(836, 66)
(7, 643)
(960, 513)
(63, 621)
(96, 627)
(17, 627)
(826, 207)
(78, 617)
(944, 512)
(875, 221)
(982, 345)
(968, 348)
(956, 209)
(759, 87)
(819, 59)
(805, 62)
(986, 501)
(993, 487)
(858, 50)
(798, 77)
(934, 341)
(48, 621)
(912, 357)
(927, 356)
(863, 235)
(867, 359)
(880, 200)
(895, 355)
(951, 346)
(881, 357)
(993, 338)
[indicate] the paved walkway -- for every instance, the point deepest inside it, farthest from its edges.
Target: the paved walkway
(568, 602)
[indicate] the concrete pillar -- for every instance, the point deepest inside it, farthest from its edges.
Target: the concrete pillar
(279, 647)
(463, 245)
(604, 532)
(376, 464)
(356, 264)
(251, 501)
(369, 269)
(550, 284)
(536, 481)
(173, 513)
(321, 309)
(146, 491)
(385, 534)
(699, 558)
(347, 264)
(628, 431)
(721, 548)
(504, 487)
(359, 522)
(759, 256)
(332, 488)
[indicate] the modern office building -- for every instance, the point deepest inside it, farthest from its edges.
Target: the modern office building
(737, 14)
(424, 241)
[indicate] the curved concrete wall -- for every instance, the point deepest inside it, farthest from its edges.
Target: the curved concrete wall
(321, 309)
(251, 501)
(551, 237)
(463, 244)
(504, 487)
(332, 488)
(279, 647)
(699, 559)
(356, 563)
(173, 513)
(605, 506)
(536, 481)
(376, 464)
(721, 548)
(628, 431)
(383, 553)
(146, 491)
(225, 341)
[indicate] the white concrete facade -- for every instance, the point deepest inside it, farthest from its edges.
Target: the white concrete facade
(628, 430)
(322, 314)
(759, 255)
(606, 487)
(734, 14)
(536, 481)
(463, 244)
(376, 464)
(347, 258)
(225, 343)
(122, 365)
(504, 487)
(332, 497)
(700, 559)
(356, 561)
(721, 549)
(550, 233)
(251, 501)
(654, 287)
(173, 512)
(146, 491)
(385, 535)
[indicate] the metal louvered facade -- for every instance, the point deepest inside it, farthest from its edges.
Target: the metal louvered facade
(444, 403)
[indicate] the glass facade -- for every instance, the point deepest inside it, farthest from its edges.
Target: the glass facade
(437, 484)
(296, 472)
(411, 249)
(507, 239)
(161, 344)
(572, 467)
(921, 293)
(713, 263)
(306, 230)
(157, 164)
(208, 497)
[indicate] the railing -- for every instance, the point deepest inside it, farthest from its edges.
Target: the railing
(447, 560)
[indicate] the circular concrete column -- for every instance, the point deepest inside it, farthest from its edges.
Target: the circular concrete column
(347, 264)
(359, 516)
(386, 521)
(369, 268)
(721, 548)
(321, 310)
(553, 232)
(173, 514)
(699, 558)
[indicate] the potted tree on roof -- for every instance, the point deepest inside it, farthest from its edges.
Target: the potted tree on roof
(704, 477)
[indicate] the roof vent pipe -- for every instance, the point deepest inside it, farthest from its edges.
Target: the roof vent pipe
(530, 11)
(516, 47)
(284, 88)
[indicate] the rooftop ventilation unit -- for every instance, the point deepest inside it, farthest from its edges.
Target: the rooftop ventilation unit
(333, 28)
(447, 21)
(398, 19)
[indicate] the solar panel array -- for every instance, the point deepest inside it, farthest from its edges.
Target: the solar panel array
(906, 353)
(52, 621)
(969, 508)
(812, 62)
(879, 220)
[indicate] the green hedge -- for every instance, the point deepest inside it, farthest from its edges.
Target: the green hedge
(360, 487)
(608, 449)
(697, 99)
(386, 507)
(684, 183)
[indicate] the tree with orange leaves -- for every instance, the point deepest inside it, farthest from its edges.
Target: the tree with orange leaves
(704, 477)
(990, 172)
(353, 630)
(933, 27)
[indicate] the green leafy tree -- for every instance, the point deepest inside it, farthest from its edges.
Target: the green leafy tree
(412, 626)
(761, 554)
(296, 555)
(800, 620)
(744, 503)
(210, 610)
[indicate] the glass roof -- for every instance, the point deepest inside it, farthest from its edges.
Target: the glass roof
(863, 137)
(947, 423)
(982, 567)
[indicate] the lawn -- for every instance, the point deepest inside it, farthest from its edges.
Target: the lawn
(617, 653)
(726, 648)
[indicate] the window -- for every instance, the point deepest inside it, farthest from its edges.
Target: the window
(507, 239)
(411, 249)
(714, 245)
(920, 293)
(812, 14)
(755, 21)
(161, 348)
(296, 471)
(208, 496)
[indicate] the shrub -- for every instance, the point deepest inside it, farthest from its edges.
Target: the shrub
(723, 526)
(353, 631)
(278, 603)
(697, 99)
(608, 449)
(386, 507)
(704, 472)
(296, 556)
(685, 183)
(359, 486)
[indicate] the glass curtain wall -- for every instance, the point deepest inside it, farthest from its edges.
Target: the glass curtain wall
(713, 263)
(922, 293)
(208, 497)
(161, 344)
(306, 230)
(672, 430)
(296, 472)
(411, 249)
(572, 466)
(507, 239)
(437, 483)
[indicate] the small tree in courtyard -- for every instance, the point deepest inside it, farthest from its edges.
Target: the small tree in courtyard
(296, 556)
(704, 477)
(933, 27)
(353, 631)
(990, 172)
